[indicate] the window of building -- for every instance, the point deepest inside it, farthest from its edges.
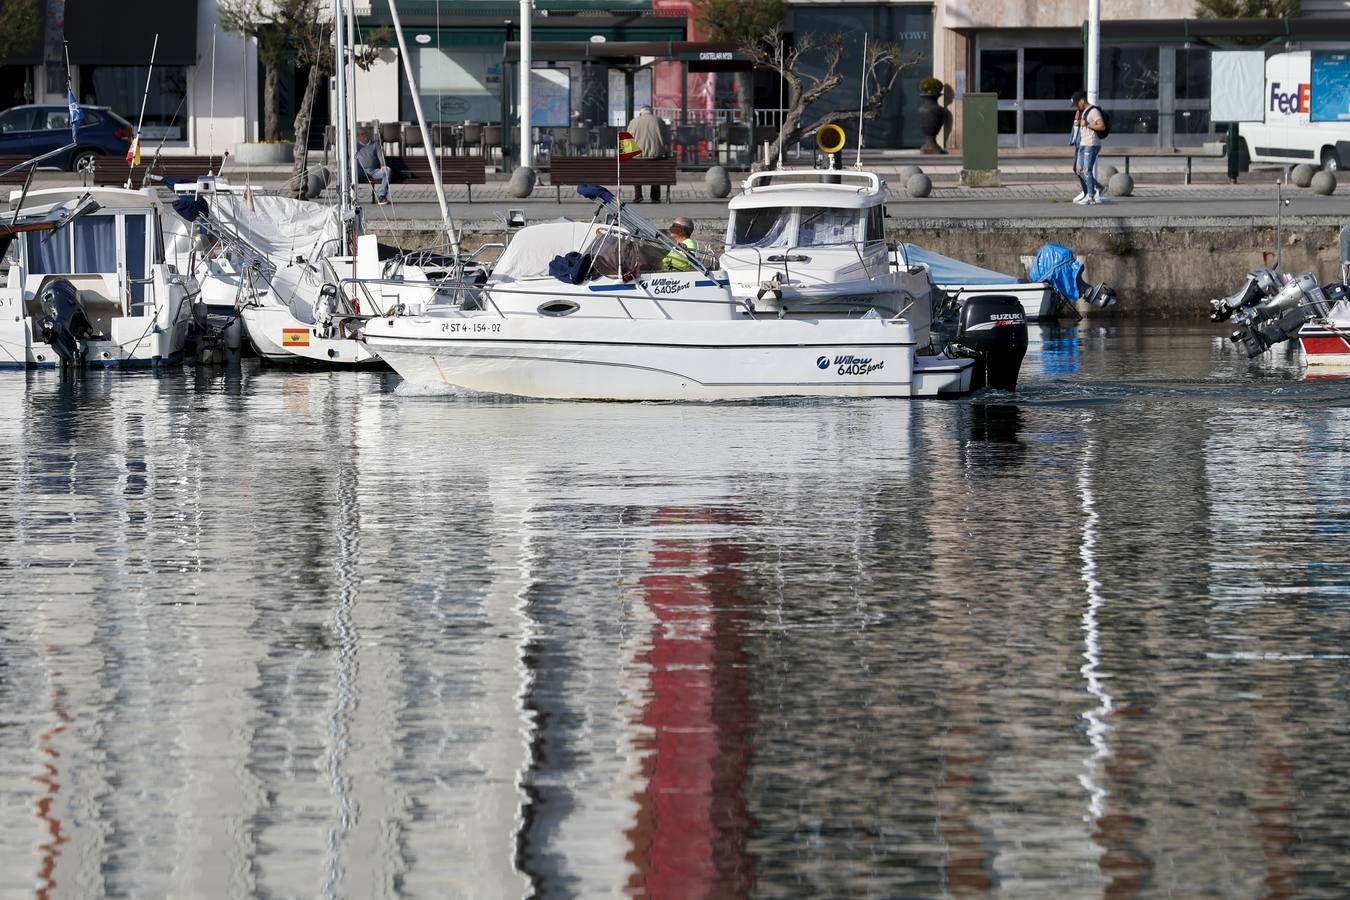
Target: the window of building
(122, 88)
(455, 84)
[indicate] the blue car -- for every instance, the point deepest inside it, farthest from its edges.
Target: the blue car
(35, 129)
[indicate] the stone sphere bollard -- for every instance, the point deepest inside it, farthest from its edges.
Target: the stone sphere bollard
(1120, 185)
(1105, 174)
(318, 179)
(717, 181)
(522, 182)
(1303, 174)
(908, 172)
(1323, 183)
(919, 185)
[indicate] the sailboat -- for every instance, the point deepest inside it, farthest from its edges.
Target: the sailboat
(306, 275)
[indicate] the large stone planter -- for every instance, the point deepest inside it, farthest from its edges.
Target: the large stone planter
(931, 119)
(264, 154)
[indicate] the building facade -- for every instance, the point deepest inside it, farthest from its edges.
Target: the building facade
(204, 95)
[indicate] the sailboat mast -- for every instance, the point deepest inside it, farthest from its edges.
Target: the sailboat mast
(342, 137)
(432, 160)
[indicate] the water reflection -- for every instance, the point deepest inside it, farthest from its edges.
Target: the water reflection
(275, 633)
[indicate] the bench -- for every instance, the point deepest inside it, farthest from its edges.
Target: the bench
(17, 177)
(113, 170)
(575, 170)
(1187, 154)
(465, 170)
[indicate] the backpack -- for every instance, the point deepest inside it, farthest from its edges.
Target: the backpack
(1106, 121)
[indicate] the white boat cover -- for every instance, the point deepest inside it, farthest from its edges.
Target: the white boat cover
(280, 227)
(945, 270)
(534, 246)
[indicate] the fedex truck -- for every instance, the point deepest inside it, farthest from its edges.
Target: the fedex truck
(1288, 136)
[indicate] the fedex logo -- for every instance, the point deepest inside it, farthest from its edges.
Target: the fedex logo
(1293, 102)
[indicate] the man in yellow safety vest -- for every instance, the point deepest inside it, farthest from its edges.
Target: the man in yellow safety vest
(681, 258)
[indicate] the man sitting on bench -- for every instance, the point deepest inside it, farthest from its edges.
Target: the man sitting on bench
(370, 159)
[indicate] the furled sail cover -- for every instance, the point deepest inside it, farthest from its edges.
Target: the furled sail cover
(280, 227)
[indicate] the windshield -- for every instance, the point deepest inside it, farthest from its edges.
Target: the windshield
(763, 227)
(828, 225)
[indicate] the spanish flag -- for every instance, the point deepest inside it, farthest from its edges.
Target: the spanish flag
(134, 152)
(628, 148)
(295, 337)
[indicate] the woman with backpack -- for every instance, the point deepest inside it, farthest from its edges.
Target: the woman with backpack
(1089, 127)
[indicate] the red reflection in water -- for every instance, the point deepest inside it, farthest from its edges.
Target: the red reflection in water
(50, 780)
(692, 822)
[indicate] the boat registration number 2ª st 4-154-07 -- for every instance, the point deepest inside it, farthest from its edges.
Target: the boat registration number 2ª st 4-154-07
(471, 327)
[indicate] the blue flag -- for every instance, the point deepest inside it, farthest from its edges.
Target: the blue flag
(76, 116)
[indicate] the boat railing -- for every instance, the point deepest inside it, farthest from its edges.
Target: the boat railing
(796, 177)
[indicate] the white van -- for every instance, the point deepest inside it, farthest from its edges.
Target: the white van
(1287, 137)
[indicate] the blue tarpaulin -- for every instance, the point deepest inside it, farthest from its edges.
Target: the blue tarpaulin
(1055, 263)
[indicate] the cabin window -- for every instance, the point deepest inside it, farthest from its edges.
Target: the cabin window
(95, 244)
(763, 227)
(136, 262)
(876, 223)
(45, 257)
(827, 225)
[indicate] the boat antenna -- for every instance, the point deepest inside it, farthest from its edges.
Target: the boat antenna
(1280, 203)
(136, 140)
(212, 137)
(781, 112)
(862, 102)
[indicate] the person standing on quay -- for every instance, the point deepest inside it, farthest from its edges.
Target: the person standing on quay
(646, 130)
(1087, 122)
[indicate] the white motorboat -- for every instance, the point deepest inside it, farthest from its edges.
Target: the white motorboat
(88, 283)
(806, 303)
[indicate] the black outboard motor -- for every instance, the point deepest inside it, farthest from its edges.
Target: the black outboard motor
(63, 322)
(993, 331)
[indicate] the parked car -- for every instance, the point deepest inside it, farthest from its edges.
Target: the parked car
(34, 129)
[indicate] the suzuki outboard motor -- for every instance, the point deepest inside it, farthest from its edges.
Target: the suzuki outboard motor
(63, 322)
(993, 331)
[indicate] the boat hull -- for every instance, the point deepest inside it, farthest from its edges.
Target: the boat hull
(1325, 343)
(277, 335)
(656, 360)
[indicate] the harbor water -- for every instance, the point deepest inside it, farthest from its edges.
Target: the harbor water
(278, 633)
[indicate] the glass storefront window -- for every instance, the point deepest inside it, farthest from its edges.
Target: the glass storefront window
(454, 85)
(122, 87)
(1192, 73)
(1052, 73)
(998, 73)
(1129, 73)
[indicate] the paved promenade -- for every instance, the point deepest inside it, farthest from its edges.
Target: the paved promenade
(1037, 190)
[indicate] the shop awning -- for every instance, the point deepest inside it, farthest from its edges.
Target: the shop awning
(26, 39)
(1223, 32)
(694, 52)
(423, 10)
(106, 33)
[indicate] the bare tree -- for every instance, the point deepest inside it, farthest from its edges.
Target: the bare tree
(885, 62)
(1247, 9)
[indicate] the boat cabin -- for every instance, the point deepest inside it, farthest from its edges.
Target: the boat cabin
(105, 243)
(816, 234)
